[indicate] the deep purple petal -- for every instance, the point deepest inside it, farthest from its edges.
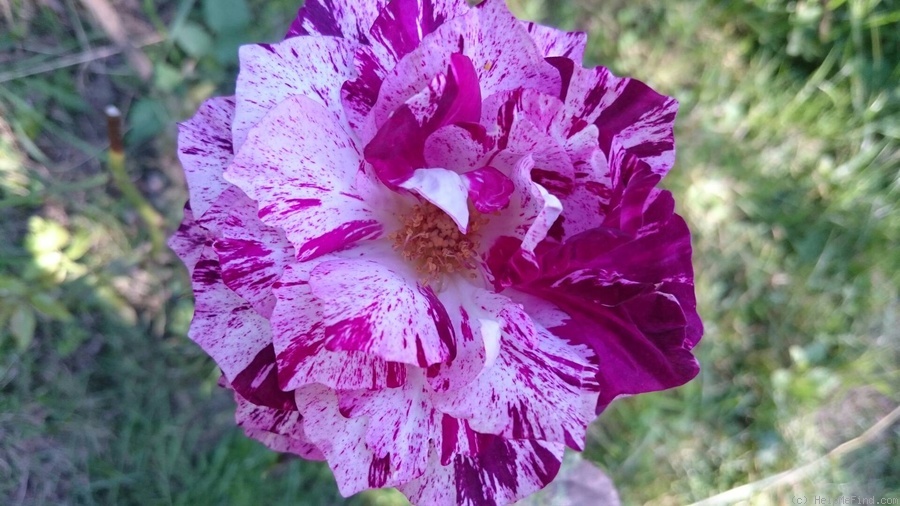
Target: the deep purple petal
(489, 189)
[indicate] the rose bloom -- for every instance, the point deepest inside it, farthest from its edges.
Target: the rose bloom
(427, 246)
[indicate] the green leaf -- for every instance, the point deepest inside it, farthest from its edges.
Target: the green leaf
(11, 287)
(193, 39)
(166, 77)
(226, 16)
(50, 307)
(146, 118)
(21, 325)
(227, 45)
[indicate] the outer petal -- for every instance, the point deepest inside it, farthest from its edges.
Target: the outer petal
(644, 343)
(337, 18)
(205, 150)
(300, 343)
(542, 391)
(630, 298)
(341, 440)
(503, 472)
(370, 308)
(302, 168)
(281, 431)
(235, 336)
(628, 114)
(251, 254)
(314, 67)
(402, 425)
(189, 240)
(552, 42)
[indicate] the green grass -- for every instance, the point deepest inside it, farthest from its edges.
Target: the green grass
(787, 172)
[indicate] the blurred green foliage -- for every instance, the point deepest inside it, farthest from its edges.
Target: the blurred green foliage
(787, 172)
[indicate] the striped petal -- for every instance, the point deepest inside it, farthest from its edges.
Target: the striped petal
(503, 472)
(301, 167)
(280, 430)
(542, 387)
(368, 307)
(337, 18)
(314, 67)
(300, 343)
(235, 336)
(205, 150)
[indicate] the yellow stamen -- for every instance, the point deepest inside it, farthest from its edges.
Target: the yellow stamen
(431, 239)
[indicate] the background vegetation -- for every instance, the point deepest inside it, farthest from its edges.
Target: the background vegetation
(787, 172)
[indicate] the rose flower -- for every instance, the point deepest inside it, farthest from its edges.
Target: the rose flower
(427, 246)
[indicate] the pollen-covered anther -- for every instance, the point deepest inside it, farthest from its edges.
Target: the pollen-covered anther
(429, 238)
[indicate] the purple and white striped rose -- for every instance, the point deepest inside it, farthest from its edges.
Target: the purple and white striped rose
(427, 245)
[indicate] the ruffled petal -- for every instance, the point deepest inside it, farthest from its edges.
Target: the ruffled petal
(251, 254)
(503, 472)
(235, 336)
(348, 19)
(402, 425)
(300, 343)
(314, 67)
(341, 440)
(500, 50)
(542, 387)
(279, 430)
(552, 42)
(629, 115)
(189, 240)
(472, 314)
(489, 189)
(205, 150)
(461, 148)
(359, 95)
(403, 24)
(532, 209)
(397, 149)
(301, 167)
(370, 308)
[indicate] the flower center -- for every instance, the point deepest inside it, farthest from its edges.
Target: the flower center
(430, 239)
